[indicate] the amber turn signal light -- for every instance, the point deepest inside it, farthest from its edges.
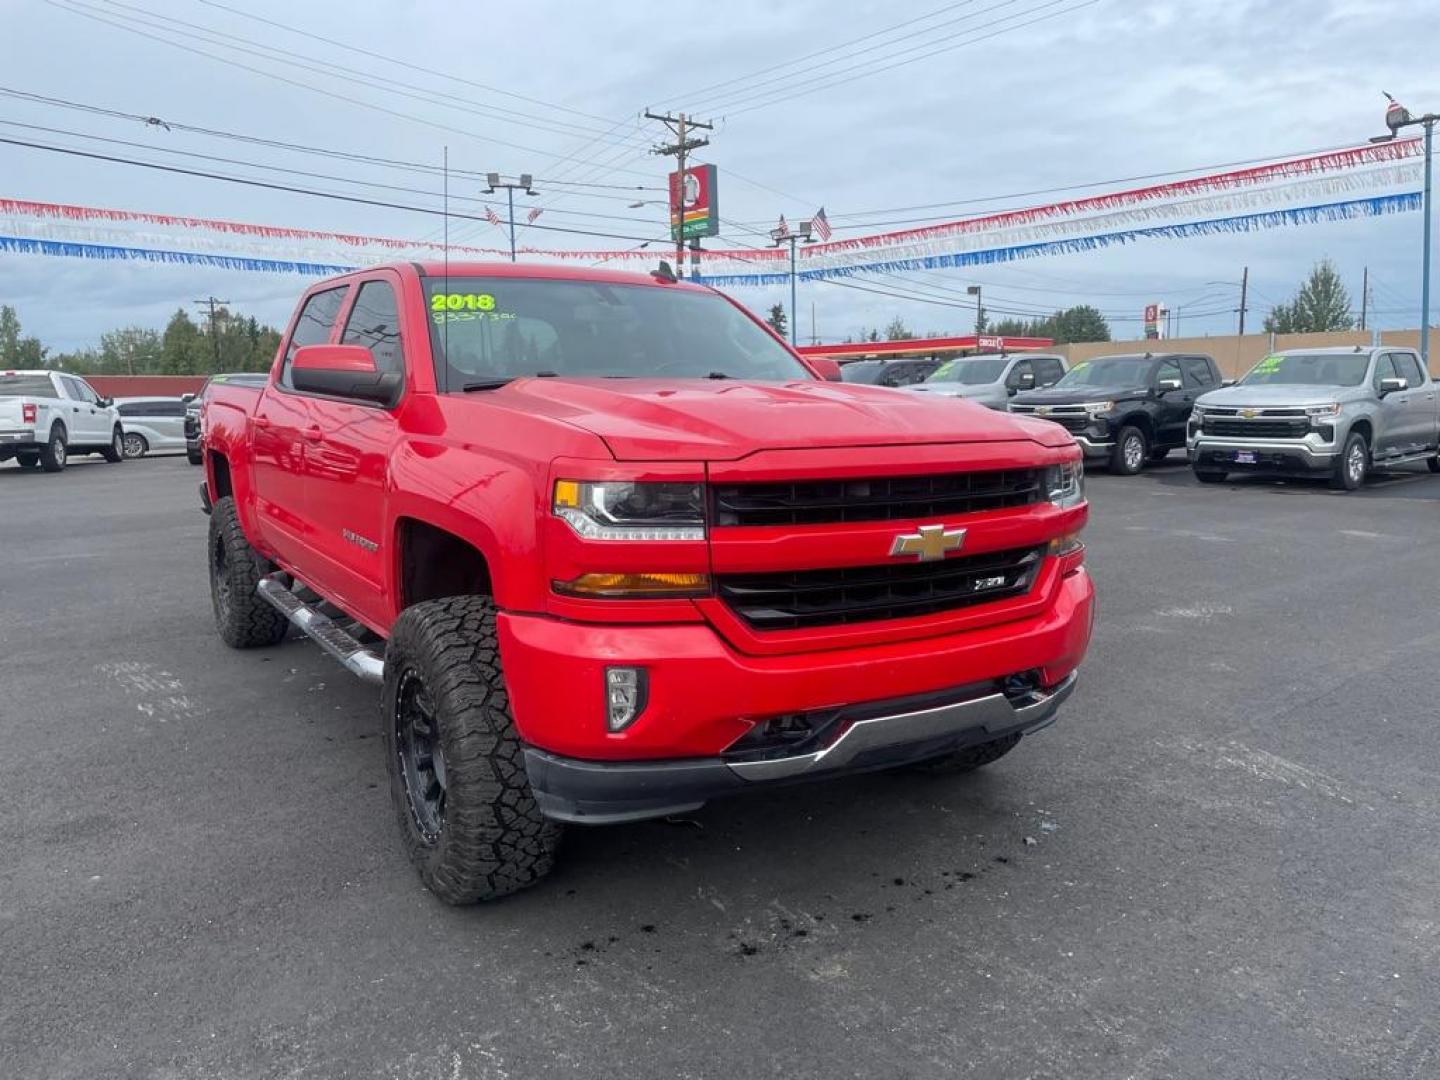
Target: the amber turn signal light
(630, 586)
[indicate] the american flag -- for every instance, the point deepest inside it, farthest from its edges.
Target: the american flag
(492, 217)
(533, 214)
(820, 225)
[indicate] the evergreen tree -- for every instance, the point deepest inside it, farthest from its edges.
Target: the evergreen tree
(1322, 304)
(777, 320)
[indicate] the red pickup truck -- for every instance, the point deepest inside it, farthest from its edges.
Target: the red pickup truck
(612, 549)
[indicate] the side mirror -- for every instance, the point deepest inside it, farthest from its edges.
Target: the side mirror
(1227, 382)
(824, 368)
(1026, 381)
(106, 402)
(346, 371)
(187, 398)
(1166, 385)
(1389, 386)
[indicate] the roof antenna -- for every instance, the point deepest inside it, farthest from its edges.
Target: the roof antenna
(445, 275)
(664, 273)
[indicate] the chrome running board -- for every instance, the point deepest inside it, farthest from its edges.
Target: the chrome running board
(357, 658)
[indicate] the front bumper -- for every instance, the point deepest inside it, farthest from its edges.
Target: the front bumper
(1095, 447)
(881, 735)
(705, 695)
(1287, 456)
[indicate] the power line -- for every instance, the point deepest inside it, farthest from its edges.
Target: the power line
(468, 133)
(249, 182)
(824, 82)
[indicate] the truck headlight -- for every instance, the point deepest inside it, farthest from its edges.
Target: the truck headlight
(631, 510)
(1322, 413)
(1099, 408)
(1065, 484)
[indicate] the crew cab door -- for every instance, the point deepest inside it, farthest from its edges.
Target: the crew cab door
(89, 424)
(348, 448)
(1173, 406)
(1410, 413)
(277, 435)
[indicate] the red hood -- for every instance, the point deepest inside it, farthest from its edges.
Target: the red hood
(720, 420)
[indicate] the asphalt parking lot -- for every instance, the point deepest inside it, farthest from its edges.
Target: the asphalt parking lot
(1221, 862)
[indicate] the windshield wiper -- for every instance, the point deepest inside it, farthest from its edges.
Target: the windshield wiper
(495, 384)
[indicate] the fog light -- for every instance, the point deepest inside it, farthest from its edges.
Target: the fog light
(626, 691)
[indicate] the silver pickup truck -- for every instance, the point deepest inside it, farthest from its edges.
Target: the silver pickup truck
(1309, 412)
(993, 379)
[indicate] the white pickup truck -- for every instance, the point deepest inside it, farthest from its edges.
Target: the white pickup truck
(45, 416)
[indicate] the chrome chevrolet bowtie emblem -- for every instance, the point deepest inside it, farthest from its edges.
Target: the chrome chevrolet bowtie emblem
(1249, 414)
(929, 544)
(1043, 410)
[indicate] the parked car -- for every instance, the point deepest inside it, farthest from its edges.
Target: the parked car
(903, 372)
(48, 416)
(612, 550)
(152, 424)
(1125, 410)
(194, 448)
(1319, 412)
(993, 378)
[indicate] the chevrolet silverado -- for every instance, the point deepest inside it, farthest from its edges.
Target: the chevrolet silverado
(611, 549)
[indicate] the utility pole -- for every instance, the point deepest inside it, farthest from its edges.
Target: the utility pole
(212, 304)
(680, 126)
(1244, 290)
(1364, 296)
(782, 234)
(523, 183)
(974, 290)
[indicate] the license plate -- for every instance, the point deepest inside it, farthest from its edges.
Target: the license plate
(1244, 457)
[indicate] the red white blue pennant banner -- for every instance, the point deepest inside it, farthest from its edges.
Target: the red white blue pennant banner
(1357, 182)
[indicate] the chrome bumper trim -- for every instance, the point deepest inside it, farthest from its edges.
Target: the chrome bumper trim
(993, 712)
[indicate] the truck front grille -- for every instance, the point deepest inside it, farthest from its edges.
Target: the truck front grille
(888, 498)
(1257, 429)
(795, 599)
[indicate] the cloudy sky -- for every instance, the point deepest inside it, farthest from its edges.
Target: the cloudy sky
(950, 111)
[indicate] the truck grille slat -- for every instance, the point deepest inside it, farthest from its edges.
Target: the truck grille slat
(825, 502)
(795, 599)
(1257, 429)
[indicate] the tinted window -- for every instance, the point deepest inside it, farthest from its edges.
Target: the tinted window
(501, 328)
(1168, 370)
(375, 323)
(1196, 371)
(969, 370)
(1112, 371)
(72, 388)
(1309, 369)
(27, 386)
(317, 319)
(133, 408)
(863, 371)
(1409, 368)
(1048, 371)
(902, 373)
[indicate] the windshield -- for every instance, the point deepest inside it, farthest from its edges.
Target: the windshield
(865, 371)
(1108, 371)
(970, 371)
(1309, 369)
(494, 329)
(27, 386)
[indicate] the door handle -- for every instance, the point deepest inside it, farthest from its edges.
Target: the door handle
(313, 433)
(260, 421)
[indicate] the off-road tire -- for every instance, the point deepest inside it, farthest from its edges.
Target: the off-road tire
(1125, 461)
(1210, 476)
(115, 452)
(243, 618)
(1350, 473)
(140, 446)
(55, 452)
(195, 457)
(971, 758)
(28, 459)
(491, 838)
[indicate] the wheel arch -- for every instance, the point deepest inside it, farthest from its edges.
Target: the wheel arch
(432, 562)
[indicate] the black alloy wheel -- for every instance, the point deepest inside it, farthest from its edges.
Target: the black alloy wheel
(419, 758)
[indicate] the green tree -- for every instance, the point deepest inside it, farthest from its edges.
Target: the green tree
(1322, 304)
(16, 350)
(130, 350)
(182, 350)
(1079, 323)
(896, 331)
(777, 320)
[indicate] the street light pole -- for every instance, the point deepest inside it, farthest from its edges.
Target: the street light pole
(523, 183)
(1397, 117)
(782, 234)
(974, 290)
